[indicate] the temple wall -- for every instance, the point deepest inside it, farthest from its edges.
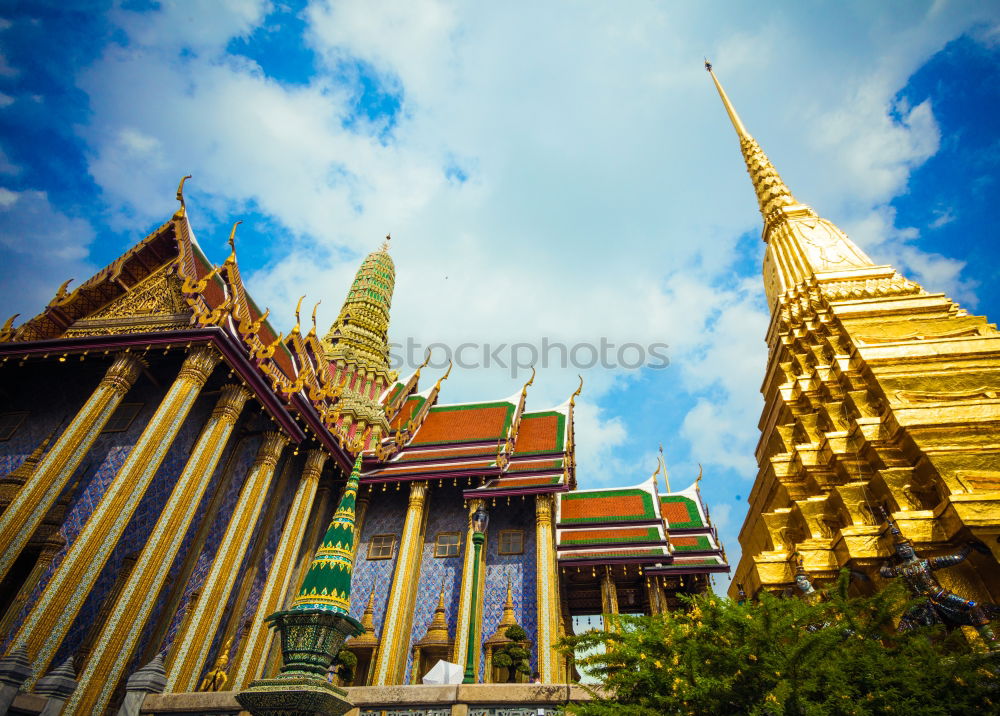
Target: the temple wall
(48, 399)
(520, 514)
(446, 513)
(385, 515)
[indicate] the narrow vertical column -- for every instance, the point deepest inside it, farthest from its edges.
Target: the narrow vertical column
(399, 616)
(547, 590)
(190, 649)
(257, 643)
(64, 595)
(36, 497)
(465, 595)
(609, 593)
(114, 648)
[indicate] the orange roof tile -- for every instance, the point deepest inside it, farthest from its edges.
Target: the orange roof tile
(464, 423)
(541, 432)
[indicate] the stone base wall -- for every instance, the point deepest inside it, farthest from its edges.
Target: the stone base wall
(458, 700)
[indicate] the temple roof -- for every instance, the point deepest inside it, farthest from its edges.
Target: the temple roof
(664, 533)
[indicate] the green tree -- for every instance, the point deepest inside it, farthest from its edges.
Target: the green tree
(514, 655)
(831, 656)
(345, 663)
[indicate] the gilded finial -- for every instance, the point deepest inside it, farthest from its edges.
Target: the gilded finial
(437, 386)
(232, 239)
(298, 307)
(180, 194)
(8, 328)
(524, 390)
(427, 359)
(314, 329)
(385, 244)
(698, 479)
(579, 389)
(666, 474)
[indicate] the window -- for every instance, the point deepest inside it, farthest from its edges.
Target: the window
(381, 547)
(10, 422)
(511, 541)
(123, 417)
(447, 544)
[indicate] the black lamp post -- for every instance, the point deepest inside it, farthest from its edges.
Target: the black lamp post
(480, 519)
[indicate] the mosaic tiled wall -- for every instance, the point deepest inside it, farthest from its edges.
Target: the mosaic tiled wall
(50, 404)
(520, 515)
(446, 513)
(148, 511)
(385, 515)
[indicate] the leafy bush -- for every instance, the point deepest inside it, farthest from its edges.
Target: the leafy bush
(833, 656)
(514, 655)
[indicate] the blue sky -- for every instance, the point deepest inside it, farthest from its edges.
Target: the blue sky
(559, 170)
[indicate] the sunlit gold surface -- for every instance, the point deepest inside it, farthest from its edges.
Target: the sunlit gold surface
(877, 394)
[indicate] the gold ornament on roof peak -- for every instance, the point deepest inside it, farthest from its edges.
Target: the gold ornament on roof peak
(771, 191)
(180, 196)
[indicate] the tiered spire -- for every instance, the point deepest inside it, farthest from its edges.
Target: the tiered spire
(360, 335)
(771, 190)
(357, 346)
(327, 584)
(801, 244)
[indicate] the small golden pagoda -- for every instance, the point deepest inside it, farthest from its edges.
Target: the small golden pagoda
(879, 395)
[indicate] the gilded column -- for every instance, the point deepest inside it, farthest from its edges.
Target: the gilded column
(547, 586)
(399, 617)
(114, 647)
(465, 594)
(190, 648)
(36, 497)
(609, 593)
(64, 595)
(257, 642)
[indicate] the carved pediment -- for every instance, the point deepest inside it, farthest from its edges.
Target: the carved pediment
(155, 304)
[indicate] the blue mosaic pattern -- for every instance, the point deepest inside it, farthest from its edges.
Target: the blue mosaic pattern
(519, 514)
(146, 514)
(446, 513)
(385, 515)
(49, 403)
(92, 478)
(246, 451)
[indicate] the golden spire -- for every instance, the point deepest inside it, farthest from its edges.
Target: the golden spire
(508, 618)
(771, 190)
(180, 196)
(437, 630)
(367, 637)
(801, 245)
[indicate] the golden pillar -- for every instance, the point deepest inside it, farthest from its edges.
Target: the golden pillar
(257, 641)
(609, 593)
(465, 595)
(190, 648)
(398, 620)
(64, 595)
(36, 497)
(114, 648)
(547, 586)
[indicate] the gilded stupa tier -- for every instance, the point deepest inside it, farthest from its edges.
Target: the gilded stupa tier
(357, 346)
(878, 396)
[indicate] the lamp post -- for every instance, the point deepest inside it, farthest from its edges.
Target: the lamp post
(479, 521)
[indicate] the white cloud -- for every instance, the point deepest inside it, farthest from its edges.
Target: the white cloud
(39, 249)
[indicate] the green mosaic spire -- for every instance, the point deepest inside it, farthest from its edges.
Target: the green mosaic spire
(327, 585)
